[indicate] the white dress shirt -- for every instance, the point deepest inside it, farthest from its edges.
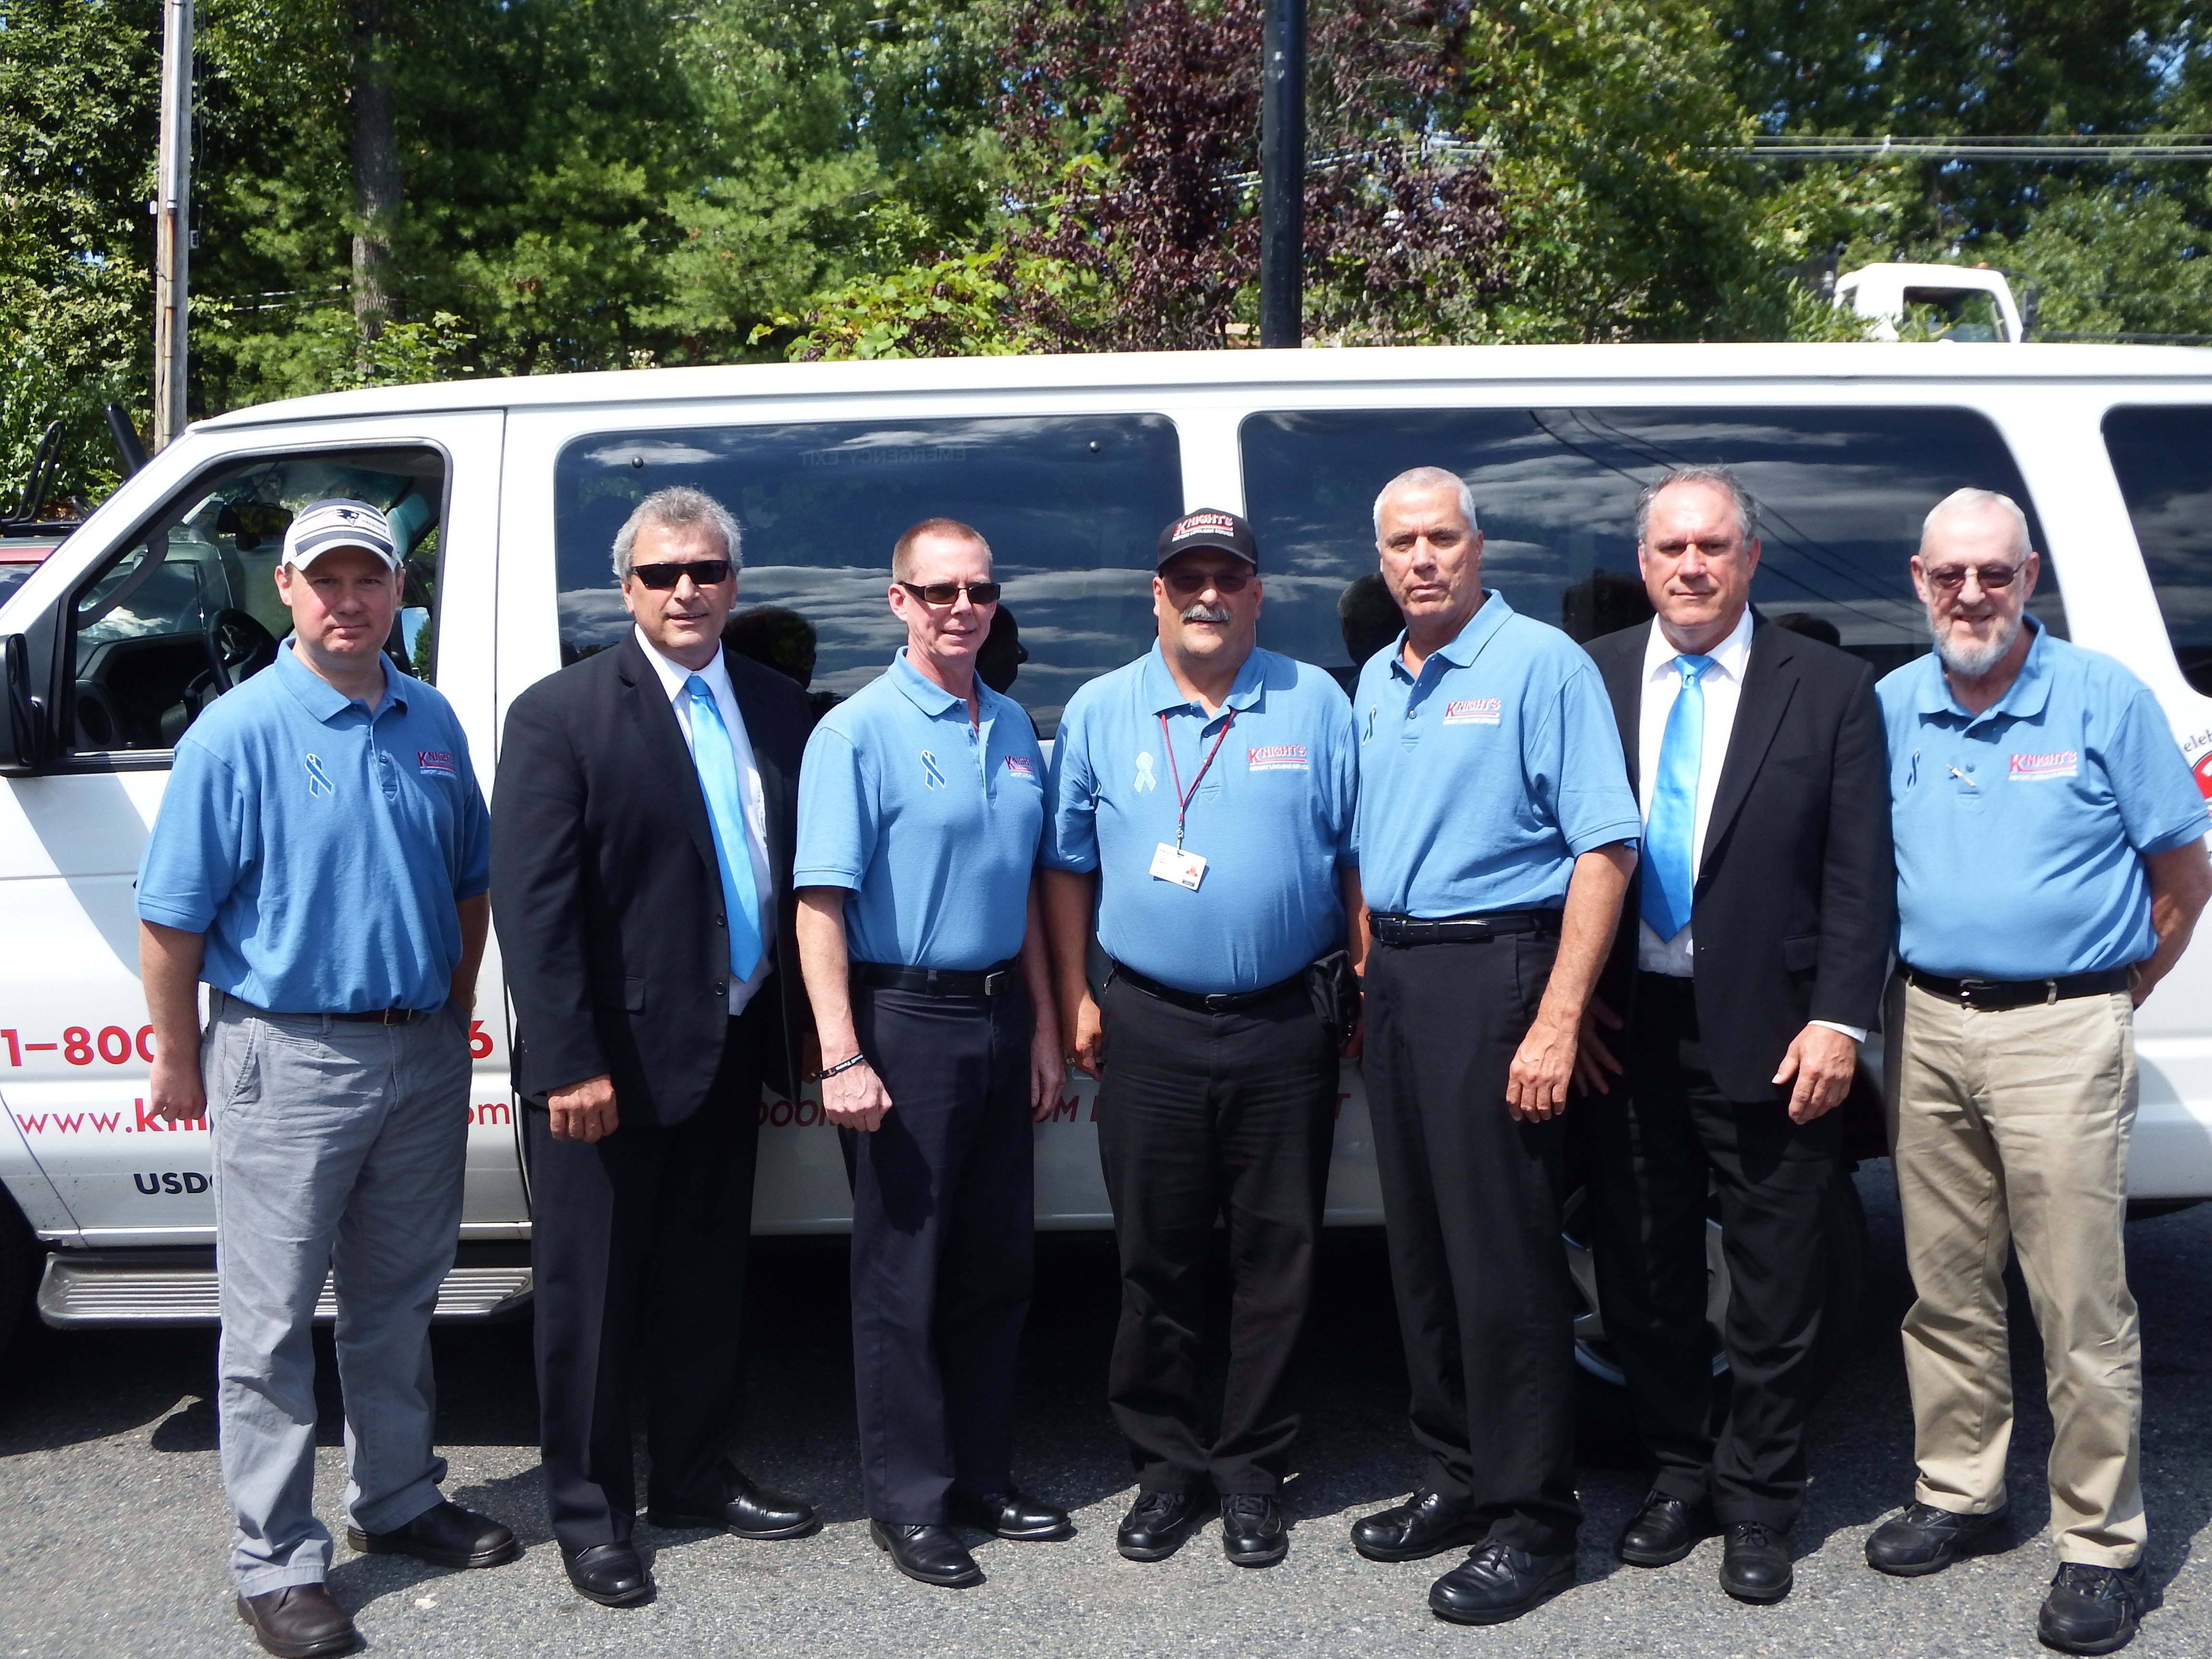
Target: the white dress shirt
(1723, 685)
(673, 675)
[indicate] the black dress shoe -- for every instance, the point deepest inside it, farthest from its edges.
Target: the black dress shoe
(445, 1535)
(298, 1622)
(1012, 1515)
(928, 1555)
(747, 1512)
(609, 1574)
(1664, 1531)
(1925, 1539)
(1252, 1530)
(1754, 1564)
(1424, 1525)
(1156, 1525)
(1497, 1583)
(2093, 1609)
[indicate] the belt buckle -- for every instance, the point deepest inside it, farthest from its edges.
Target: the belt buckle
(994, 984)
(1967, 987)
(1218, 1002)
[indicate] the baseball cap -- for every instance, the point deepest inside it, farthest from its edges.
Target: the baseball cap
(1208, 527)
(322, 525)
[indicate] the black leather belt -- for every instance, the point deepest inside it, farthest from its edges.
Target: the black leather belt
(1991, 994)
(373, 1017)
(992, 981)
(1215, 1002)
(1475, 929)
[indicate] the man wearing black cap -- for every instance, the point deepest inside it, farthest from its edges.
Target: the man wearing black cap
(1202, 801)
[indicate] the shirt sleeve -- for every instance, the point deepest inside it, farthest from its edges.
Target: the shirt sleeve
(1070, 837)
(1343, 780)
(472, 849)
(837, 814)
(1579, 751)
(199, 846)
(2160, 806)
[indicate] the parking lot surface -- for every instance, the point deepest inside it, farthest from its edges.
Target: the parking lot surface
(112, 1515)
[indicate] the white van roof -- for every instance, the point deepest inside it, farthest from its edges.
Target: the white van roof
(1228, 370)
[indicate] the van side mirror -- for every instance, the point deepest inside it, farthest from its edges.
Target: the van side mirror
(23, 716)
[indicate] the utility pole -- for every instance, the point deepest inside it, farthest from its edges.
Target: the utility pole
(173, 232)
(1282, 172)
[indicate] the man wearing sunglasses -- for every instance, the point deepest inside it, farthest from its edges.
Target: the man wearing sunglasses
(920, 815)
(642, 853)
(1202, 816)
(2049, 868)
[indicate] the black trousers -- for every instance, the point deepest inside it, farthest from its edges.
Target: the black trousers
(1206, 1117)
(1471, 1200)
(944, 1209)
(638, 1243)
(1657, 1144)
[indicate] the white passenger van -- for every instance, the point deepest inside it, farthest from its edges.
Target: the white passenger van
(511, 492)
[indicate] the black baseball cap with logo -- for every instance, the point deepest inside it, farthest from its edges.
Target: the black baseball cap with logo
(1208, 527)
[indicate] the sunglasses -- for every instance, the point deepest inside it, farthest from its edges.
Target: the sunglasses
(1949, 579)
(707, 573)
(1187, 584)
(950, 592)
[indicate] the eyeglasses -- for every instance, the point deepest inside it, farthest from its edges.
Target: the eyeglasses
(662, 577)
(1187, 584)
(1949, 579)
(950, 592)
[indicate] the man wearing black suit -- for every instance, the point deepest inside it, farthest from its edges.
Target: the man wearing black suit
(641, 860)
(1762, 914)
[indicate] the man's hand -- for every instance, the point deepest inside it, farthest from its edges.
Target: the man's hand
(583, 1111)
(1047, 1070)
(1536, 1087)
(1087, 1048)
(176, 1090)
(1593, 1060)
(1821, 1061)
(855, 1099)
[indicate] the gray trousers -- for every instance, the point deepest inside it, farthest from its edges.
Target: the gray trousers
(338, 1151)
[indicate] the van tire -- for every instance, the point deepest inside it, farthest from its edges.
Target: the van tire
(21, 1260)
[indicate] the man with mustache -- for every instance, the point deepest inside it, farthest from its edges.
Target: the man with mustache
(2050, 866)
(1202, 815)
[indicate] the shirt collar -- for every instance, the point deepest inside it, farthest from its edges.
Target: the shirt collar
(1464, 645)
(325, 700)
(1164, 696)
(1731, 657)
(926, 695)
(673, 675)
(2024, 698)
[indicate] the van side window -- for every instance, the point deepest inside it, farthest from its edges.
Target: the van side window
(1072, 507)
(191, 609)
(1841, 492)
(2163, 456)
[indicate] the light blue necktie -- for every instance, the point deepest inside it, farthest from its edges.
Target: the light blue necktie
(1670, 862)
(726, 814)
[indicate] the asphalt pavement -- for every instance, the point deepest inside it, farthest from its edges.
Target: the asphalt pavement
(115, 1530)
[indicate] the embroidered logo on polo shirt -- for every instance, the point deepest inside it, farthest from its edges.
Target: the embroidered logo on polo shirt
(1277, 758)
(933, 774)
(2037, 768)
(1475, 711)
(1146, 777)
(1020, 767)
(438, 763)
(318, 782)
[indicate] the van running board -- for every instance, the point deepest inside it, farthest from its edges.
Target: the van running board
(84, 1289)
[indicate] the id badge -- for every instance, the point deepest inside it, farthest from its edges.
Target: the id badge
(1173, 864)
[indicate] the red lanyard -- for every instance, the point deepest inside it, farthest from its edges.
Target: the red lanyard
(1182, 795)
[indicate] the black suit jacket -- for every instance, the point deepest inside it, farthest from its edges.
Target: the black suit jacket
(605, 890)
(1796, 900)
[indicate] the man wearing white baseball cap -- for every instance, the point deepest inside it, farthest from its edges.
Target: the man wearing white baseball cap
(320, 862)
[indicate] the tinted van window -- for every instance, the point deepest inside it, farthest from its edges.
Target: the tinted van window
(2162, 456)
(1842, 493)
(1072, 506)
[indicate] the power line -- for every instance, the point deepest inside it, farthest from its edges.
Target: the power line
(2165, 147)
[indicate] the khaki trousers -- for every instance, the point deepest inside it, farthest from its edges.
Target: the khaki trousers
(2010, 1128)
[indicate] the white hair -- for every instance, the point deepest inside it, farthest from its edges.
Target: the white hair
(1428, 478)
(1959, 500)
(1718, 477)
(677, 507)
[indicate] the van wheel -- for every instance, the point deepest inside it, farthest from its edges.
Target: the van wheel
(21, 1258)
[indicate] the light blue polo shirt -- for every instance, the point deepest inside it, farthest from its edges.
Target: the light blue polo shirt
(2020, 830)
(932, 823)
(1272, 817)
(320, 848)
(1482, 782)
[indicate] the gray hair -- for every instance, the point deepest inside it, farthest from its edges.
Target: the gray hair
(679, 507)
(1720, 478)
(1428, 478)
(1971, 497)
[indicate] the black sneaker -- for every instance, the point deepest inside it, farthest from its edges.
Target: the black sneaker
(1925, 1539)
(2093, 1609)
